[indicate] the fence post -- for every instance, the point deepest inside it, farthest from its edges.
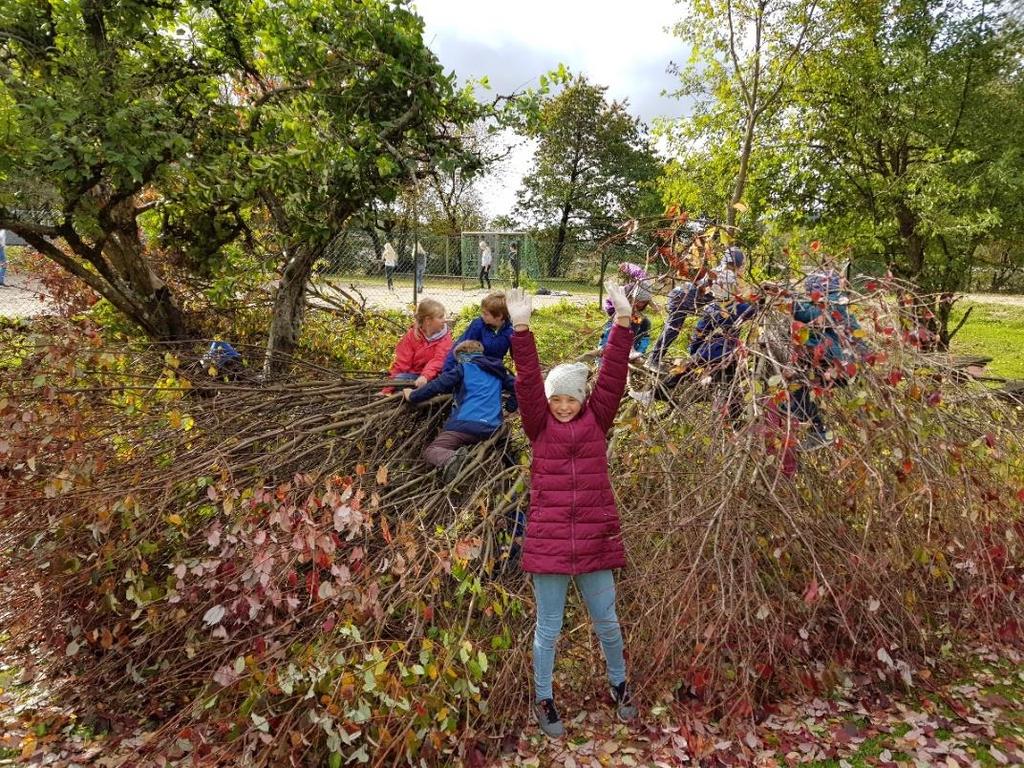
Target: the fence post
(600, 279)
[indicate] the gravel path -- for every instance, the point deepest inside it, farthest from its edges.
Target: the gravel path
(20, 297)
(1009, 300)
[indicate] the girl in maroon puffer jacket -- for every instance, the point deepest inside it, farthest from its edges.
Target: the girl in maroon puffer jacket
(572, 529)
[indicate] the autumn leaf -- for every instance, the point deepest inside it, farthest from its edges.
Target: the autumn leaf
(812, 592)
(214, 615)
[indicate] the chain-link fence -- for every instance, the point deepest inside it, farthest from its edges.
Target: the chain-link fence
(461, 269)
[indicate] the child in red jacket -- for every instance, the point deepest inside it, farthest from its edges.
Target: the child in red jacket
(421, 352)
(572, 528)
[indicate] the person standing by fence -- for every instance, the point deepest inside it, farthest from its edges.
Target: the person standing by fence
(3, 258)
(513, 260)
(390, 257)
(486, 259)
(420, 258)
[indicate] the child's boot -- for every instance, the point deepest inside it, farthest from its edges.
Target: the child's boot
(625, 708)
(547, 718)
(454, 465)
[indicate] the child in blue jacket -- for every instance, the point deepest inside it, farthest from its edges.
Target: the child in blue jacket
(476, 383)
(492, 329)
(828, 348)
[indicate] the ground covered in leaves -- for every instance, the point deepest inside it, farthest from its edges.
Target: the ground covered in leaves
(973, 718)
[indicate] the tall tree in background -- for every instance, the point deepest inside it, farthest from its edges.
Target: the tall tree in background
(744, 54)
(594, 166)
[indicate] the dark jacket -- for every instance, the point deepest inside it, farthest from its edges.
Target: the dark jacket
(573, 524)
(476, 385)
(496, 342)
(718, 331)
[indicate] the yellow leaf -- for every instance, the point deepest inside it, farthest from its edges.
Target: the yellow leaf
(175, 519)
(28, 746)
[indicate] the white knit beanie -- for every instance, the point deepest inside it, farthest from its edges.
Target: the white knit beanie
(567, 379)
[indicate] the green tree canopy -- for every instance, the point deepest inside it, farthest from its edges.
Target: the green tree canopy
(593, 167)
(218, 116)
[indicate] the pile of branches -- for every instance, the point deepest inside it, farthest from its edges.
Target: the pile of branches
(269, 573)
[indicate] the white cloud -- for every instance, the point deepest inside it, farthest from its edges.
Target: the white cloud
(623, 46)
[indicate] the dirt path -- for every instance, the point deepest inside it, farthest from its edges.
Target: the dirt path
(20, 297)
(1010, 300)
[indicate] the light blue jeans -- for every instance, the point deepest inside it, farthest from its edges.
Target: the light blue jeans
(598, 591)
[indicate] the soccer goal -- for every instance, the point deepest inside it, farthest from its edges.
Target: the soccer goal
(513, 258)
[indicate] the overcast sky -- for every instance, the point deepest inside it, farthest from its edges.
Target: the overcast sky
(621, 45)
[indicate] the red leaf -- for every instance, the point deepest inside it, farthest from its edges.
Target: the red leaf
(812, 592)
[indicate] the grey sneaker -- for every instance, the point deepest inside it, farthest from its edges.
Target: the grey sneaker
(625, 708)
(644, 397)
(656, 366)
(548, 719)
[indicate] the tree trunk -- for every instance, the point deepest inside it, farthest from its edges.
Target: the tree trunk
(555, 264)
(741, 178)
(289, 310)
(913, 242)
(122, 276)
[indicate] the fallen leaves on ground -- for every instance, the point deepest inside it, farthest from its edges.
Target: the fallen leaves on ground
(976, 720)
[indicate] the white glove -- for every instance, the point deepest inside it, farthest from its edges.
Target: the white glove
(520, 307)
(618, 298)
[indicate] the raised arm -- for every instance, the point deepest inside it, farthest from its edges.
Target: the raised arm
(611, 380)
(533, 404)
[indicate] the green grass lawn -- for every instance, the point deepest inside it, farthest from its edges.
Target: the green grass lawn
(996, 331)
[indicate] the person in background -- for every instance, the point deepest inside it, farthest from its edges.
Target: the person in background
(513, 260)
(390, 257)
(830, 345)
(420, 353)
(3, 258)
(492, 329)
(572, 527)
(420, 260)
(476, 384)
(689, 299)
(486, 259)
(640, 324)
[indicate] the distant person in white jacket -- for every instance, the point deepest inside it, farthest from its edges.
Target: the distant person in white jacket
(390, 257)
(486, 259)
